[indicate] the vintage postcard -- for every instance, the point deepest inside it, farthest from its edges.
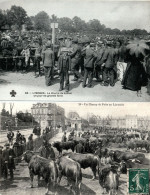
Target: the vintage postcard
(88, 148)
(72, 50)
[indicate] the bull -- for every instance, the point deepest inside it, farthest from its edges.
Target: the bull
(119, 156)
(60, 146)
(86, 160)
(41, 167)
(72, 170)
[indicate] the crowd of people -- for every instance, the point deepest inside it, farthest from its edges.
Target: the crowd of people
(105, 58)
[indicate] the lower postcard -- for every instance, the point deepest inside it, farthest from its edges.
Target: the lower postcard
(88, 148)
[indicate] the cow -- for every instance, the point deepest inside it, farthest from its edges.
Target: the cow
(72, 170)
(139, 144)
(86, 160)
(41, 167)
(64, 146)
(109, 178)
(118, 156)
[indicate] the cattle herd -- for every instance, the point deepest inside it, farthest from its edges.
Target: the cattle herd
(107, 155)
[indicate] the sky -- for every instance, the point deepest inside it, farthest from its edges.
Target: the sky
(114, 14)
(101, 109)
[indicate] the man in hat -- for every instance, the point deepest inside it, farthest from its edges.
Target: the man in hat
(29, 145)
(8, 159)
(10, 136)
(1, 161)
(98, 68)
(76, 59)
(79, 147)
(89, 58)
(110, 61)
(48, 61)
(64, 138)
(46, 151)
(18, 136)
(64, 65)
(38, 52)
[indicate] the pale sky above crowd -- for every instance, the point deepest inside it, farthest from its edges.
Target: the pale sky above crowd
(114, 14)
(100, 109)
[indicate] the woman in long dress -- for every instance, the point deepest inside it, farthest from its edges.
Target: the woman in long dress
(135, 76)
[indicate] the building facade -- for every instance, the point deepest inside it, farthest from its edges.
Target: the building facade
(131, 122)
(48, 114)
(74, 120)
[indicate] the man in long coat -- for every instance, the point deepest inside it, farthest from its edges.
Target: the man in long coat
(89, 59)
(8, 159)
(76, 59)
(48, 60)
(110, 61)
(64, 66)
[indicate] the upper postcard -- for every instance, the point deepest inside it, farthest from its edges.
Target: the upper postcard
(72, 50)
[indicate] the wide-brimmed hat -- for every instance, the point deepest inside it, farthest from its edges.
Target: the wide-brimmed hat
(75, 40)
(60, 37)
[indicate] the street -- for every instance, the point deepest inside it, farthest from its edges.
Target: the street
(25, 132)
(21, 182)
(27, 87)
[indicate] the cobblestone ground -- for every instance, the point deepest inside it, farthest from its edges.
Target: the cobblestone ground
(23, 83)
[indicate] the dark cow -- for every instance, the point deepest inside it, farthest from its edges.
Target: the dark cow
(72, 170)
(86, 160)
(41, 167)
(109, 178)
(119, 156)
(64, 146)
(139, 144)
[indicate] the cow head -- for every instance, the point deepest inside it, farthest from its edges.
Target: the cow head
(56, 145)
(122, 167)
(27, 156)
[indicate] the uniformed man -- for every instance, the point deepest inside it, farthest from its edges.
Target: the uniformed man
(48, 62)
(8, 159)
(76, 59)
(89, 59)
(64, 65)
